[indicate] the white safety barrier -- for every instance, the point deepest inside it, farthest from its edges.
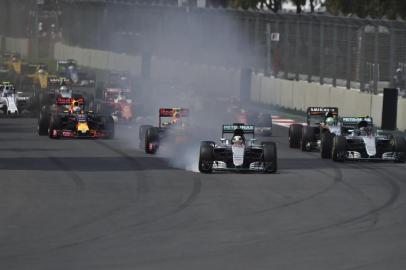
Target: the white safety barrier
(287, 94)
(213, 79)
(99, 59)
(19, 45)
(299, 95)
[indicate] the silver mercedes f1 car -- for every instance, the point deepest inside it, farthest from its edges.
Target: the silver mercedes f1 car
(359, 140)
(238, 153)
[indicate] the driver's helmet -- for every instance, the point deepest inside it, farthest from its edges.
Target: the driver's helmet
(41, 71)
(364, 131)
(237, 139)
(176, 119)
(329, 121)
(364, 128)
(75, 107)
(71, 67)
(65, 91)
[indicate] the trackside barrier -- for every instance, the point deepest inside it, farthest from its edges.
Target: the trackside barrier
(299, 95)
(287, 94)
(99, 59)
(19, 45)
(214, 79)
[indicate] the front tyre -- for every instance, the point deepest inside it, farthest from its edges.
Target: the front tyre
(151, 140)
(307, 138)
(399, 147)
(326, 145)
(339, 150)
(43, 123)
(295, 134)
(270, 157)
(206, 158)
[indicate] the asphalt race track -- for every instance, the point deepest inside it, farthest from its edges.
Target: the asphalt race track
(98, 204)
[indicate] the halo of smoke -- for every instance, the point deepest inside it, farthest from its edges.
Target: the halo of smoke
(181, 76)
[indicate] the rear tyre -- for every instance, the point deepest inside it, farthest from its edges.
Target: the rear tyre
(399, 146)
(307, 137)
(206, 157)
(339, 149)
(270, 157)
(143, 130)
(326, 145)
(295, 134)
(109, 127)
(151, 140)
(43, 123)
(54, 125)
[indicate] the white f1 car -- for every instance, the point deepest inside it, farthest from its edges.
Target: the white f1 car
(359, 140)
(238, 153)
(11, 101)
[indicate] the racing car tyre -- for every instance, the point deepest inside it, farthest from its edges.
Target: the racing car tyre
(109, 127)
(399, 146)
(206, 157)
(339, 148)
(43, 123)
(307, 136)
(326, 145)
(151, 140)
(55, 124)
(270, 157)
(295, 134)
(143, 130)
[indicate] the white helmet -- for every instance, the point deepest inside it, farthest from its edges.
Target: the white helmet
(237, 140)
(65, 92)
(329, 121)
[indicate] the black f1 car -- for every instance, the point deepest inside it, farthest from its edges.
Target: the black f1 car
(238, 153)
(359, 140)
(318, 133)
(173, 132)
(75, 122)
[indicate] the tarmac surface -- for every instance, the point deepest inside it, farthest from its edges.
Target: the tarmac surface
(104, 204)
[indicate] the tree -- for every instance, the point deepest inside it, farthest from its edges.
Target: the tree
(299, 4)
(274, 5)
(364, 8)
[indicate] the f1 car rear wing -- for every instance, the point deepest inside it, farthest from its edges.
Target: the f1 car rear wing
(69, 101)
(117, 90)
(248, 129)
(53, 80)
(352, 122)
(169, 112)
(64, 64)
(321, 111)
(172, 112)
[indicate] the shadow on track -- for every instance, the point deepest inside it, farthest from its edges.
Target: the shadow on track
(84, 164)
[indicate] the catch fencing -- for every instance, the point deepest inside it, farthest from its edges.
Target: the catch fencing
(365, 54)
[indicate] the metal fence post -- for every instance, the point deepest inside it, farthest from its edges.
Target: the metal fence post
(376, 60)
(335, 49)
(392, 67)
(268, 49)
(362, 63)
(285, 50)
(348, 56)
(256, 41)
(321, 52)
(310, 53)
(297, 40)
